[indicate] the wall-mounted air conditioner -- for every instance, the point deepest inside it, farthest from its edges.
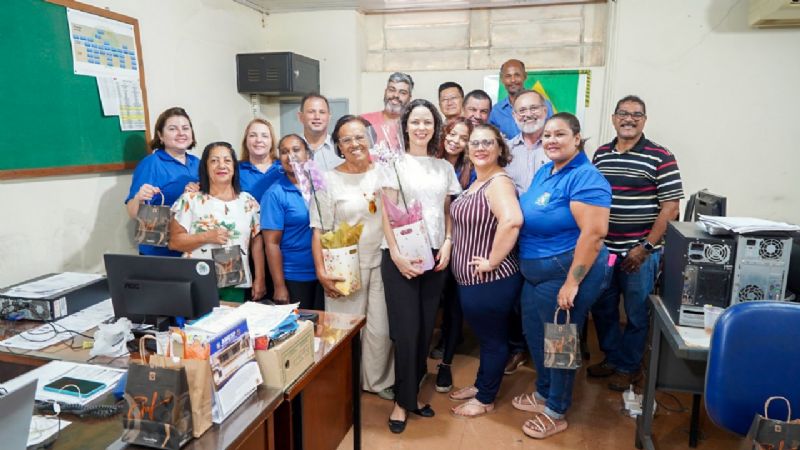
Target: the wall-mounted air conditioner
(277, 73)
(774, 13)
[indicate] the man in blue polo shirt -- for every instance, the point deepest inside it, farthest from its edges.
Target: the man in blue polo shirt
(512, 75)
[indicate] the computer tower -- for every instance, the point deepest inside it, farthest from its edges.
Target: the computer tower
(761, 268)
(698, 269)
(279, 73)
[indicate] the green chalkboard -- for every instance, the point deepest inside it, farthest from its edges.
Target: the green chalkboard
(51, 120)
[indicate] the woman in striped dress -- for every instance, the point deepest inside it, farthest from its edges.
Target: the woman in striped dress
(486, 222)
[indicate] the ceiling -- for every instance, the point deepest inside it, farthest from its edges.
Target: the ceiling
(383, 6)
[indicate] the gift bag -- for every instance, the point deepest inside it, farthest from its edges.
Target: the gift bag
(159, 413)
(152, 224)
(408, 228)
(343, 262)
(198, 375)
(561, 344)
(774, 434)
(229, 264)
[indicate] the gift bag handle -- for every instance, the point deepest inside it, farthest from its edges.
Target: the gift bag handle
(150, 202)
(142, 349)
(555, 316)
(778, 397)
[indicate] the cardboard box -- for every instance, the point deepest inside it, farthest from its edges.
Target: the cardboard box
(284, 363)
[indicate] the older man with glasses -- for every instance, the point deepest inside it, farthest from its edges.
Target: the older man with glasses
(646, 188)
(530, 113)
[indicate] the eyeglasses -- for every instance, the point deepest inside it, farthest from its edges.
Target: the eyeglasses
(348, 140)
(485, 143)
(449, 99)
(530, 110)
(633, 115)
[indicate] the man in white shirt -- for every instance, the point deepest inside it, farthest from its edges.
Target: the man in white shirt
(530, 113)
(315, 116)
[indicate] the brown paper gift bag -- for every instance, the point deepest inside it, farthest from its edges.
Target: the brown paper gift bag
(229, 265)
(774, 434)
(152, 224)
(561, 344)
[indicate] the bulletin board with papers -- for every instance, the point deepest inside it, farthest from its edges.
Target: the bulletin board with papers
(73, 90)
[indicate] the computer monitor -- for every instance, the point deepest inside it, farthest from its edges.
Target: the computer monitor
(705, 203)
(147, 289)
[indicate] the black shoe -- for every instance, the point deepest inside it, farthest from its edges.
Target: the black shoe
(444, 378)
(425, 411)
(620, 382)
(397, 426)
(601, 370)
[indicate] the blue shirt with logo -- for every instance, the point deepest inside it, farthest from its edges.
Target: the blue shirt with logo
(161, 170)
(284, 209)
(502, 116)
(255, 182)
(549, 228)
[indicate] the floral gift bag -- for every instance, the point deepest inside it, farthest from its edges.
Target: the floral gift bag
(409, 231)
(152, 224)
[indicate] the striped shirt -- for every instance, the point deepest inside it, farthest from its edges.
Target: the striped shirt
(474, 227)
(640, 179)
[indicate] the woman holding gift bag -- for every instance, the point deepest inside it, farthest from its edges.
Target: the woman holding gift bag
(421, 186)
(287, 235)
(162, 176)
(351, 196)
(563, 260)
(220, 215)
(486, 223)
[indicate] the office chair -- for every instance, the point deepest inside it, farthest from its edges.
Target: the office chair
(754, 354)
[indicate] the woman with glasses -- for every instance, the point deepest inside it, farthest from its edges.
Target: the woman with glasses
(352, 195)
(287, 235)
(486, 222)
(412, 294)
(452, 148)
(563, 260)
(219, 215)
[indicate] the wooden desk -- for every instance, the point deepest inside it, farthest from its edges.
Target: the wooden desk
(673, 366)
(322, 405)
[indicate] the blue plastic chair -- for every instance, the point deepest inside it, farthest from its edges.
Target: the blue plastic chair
(754, 355)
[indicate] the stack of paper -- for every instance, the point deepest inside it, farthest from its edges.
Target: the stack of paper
(742, 225)
(261, 319)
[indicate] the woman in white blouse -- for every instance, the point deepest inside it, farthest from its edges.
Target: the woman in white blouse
(412, 294)
(351, 195)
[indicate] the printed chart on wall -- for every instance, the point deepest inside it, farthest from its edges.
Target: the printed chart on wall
(106, 49)
(564, 90)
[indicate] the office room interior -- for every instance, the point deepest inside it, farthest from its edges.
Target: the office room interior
(721, 95)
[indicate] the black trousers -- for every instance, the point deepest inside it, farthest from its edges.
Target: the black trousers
(309, 293)
(452, 318)
(411, 306)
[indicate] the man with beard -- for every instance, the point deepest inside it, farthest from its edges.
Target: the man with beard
(477, 105)
(646, 188)
(530, 112)
(450, 97)
(512, 75)
(315, 116)
(395, 98)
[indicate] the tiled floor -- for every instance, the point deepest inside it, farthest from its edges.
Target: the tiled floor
(595, 420)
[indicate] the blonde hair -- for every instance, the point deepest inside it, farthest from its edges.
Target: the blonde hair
(246, 152)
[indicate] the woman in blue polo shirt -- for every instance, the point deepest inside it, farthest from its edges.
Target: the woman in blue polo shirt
(259, 167)
(564, 261)
(287, 233)
(167, 171)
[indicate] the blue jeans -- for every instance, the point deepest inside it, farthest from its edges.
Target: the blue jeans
(487, 308)
(624, 349)
(543, 279)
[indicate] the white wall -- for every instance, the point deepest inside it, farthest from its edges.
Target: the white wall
(188, 47)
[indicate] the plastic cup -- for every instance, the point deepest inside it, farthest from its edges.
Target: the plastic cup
(710, 316)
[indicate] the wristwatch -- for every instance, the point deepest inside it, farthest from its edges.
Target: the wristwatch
(648, 246)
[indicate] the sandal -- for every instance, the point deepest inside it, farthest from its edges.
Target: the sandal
(472, 408)
(543, 426)
(465, 393)
(527, 402)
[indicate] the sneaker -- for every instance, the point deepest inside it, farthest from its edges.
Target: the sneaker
(514, 362)
(387, 394)
(601, 370)
(444, 379)
(620, 382)
(437, 352)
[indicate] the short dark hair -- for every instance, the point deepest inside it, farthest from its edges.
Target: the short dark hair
(342, 122)
(295, 135)
(161, 122)
(311, 95)
(205, 183)
(478, 94)
(433, 144)
(451, 84)
(513, 61)
(572, 122)
(631, 98)
(505, 153)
